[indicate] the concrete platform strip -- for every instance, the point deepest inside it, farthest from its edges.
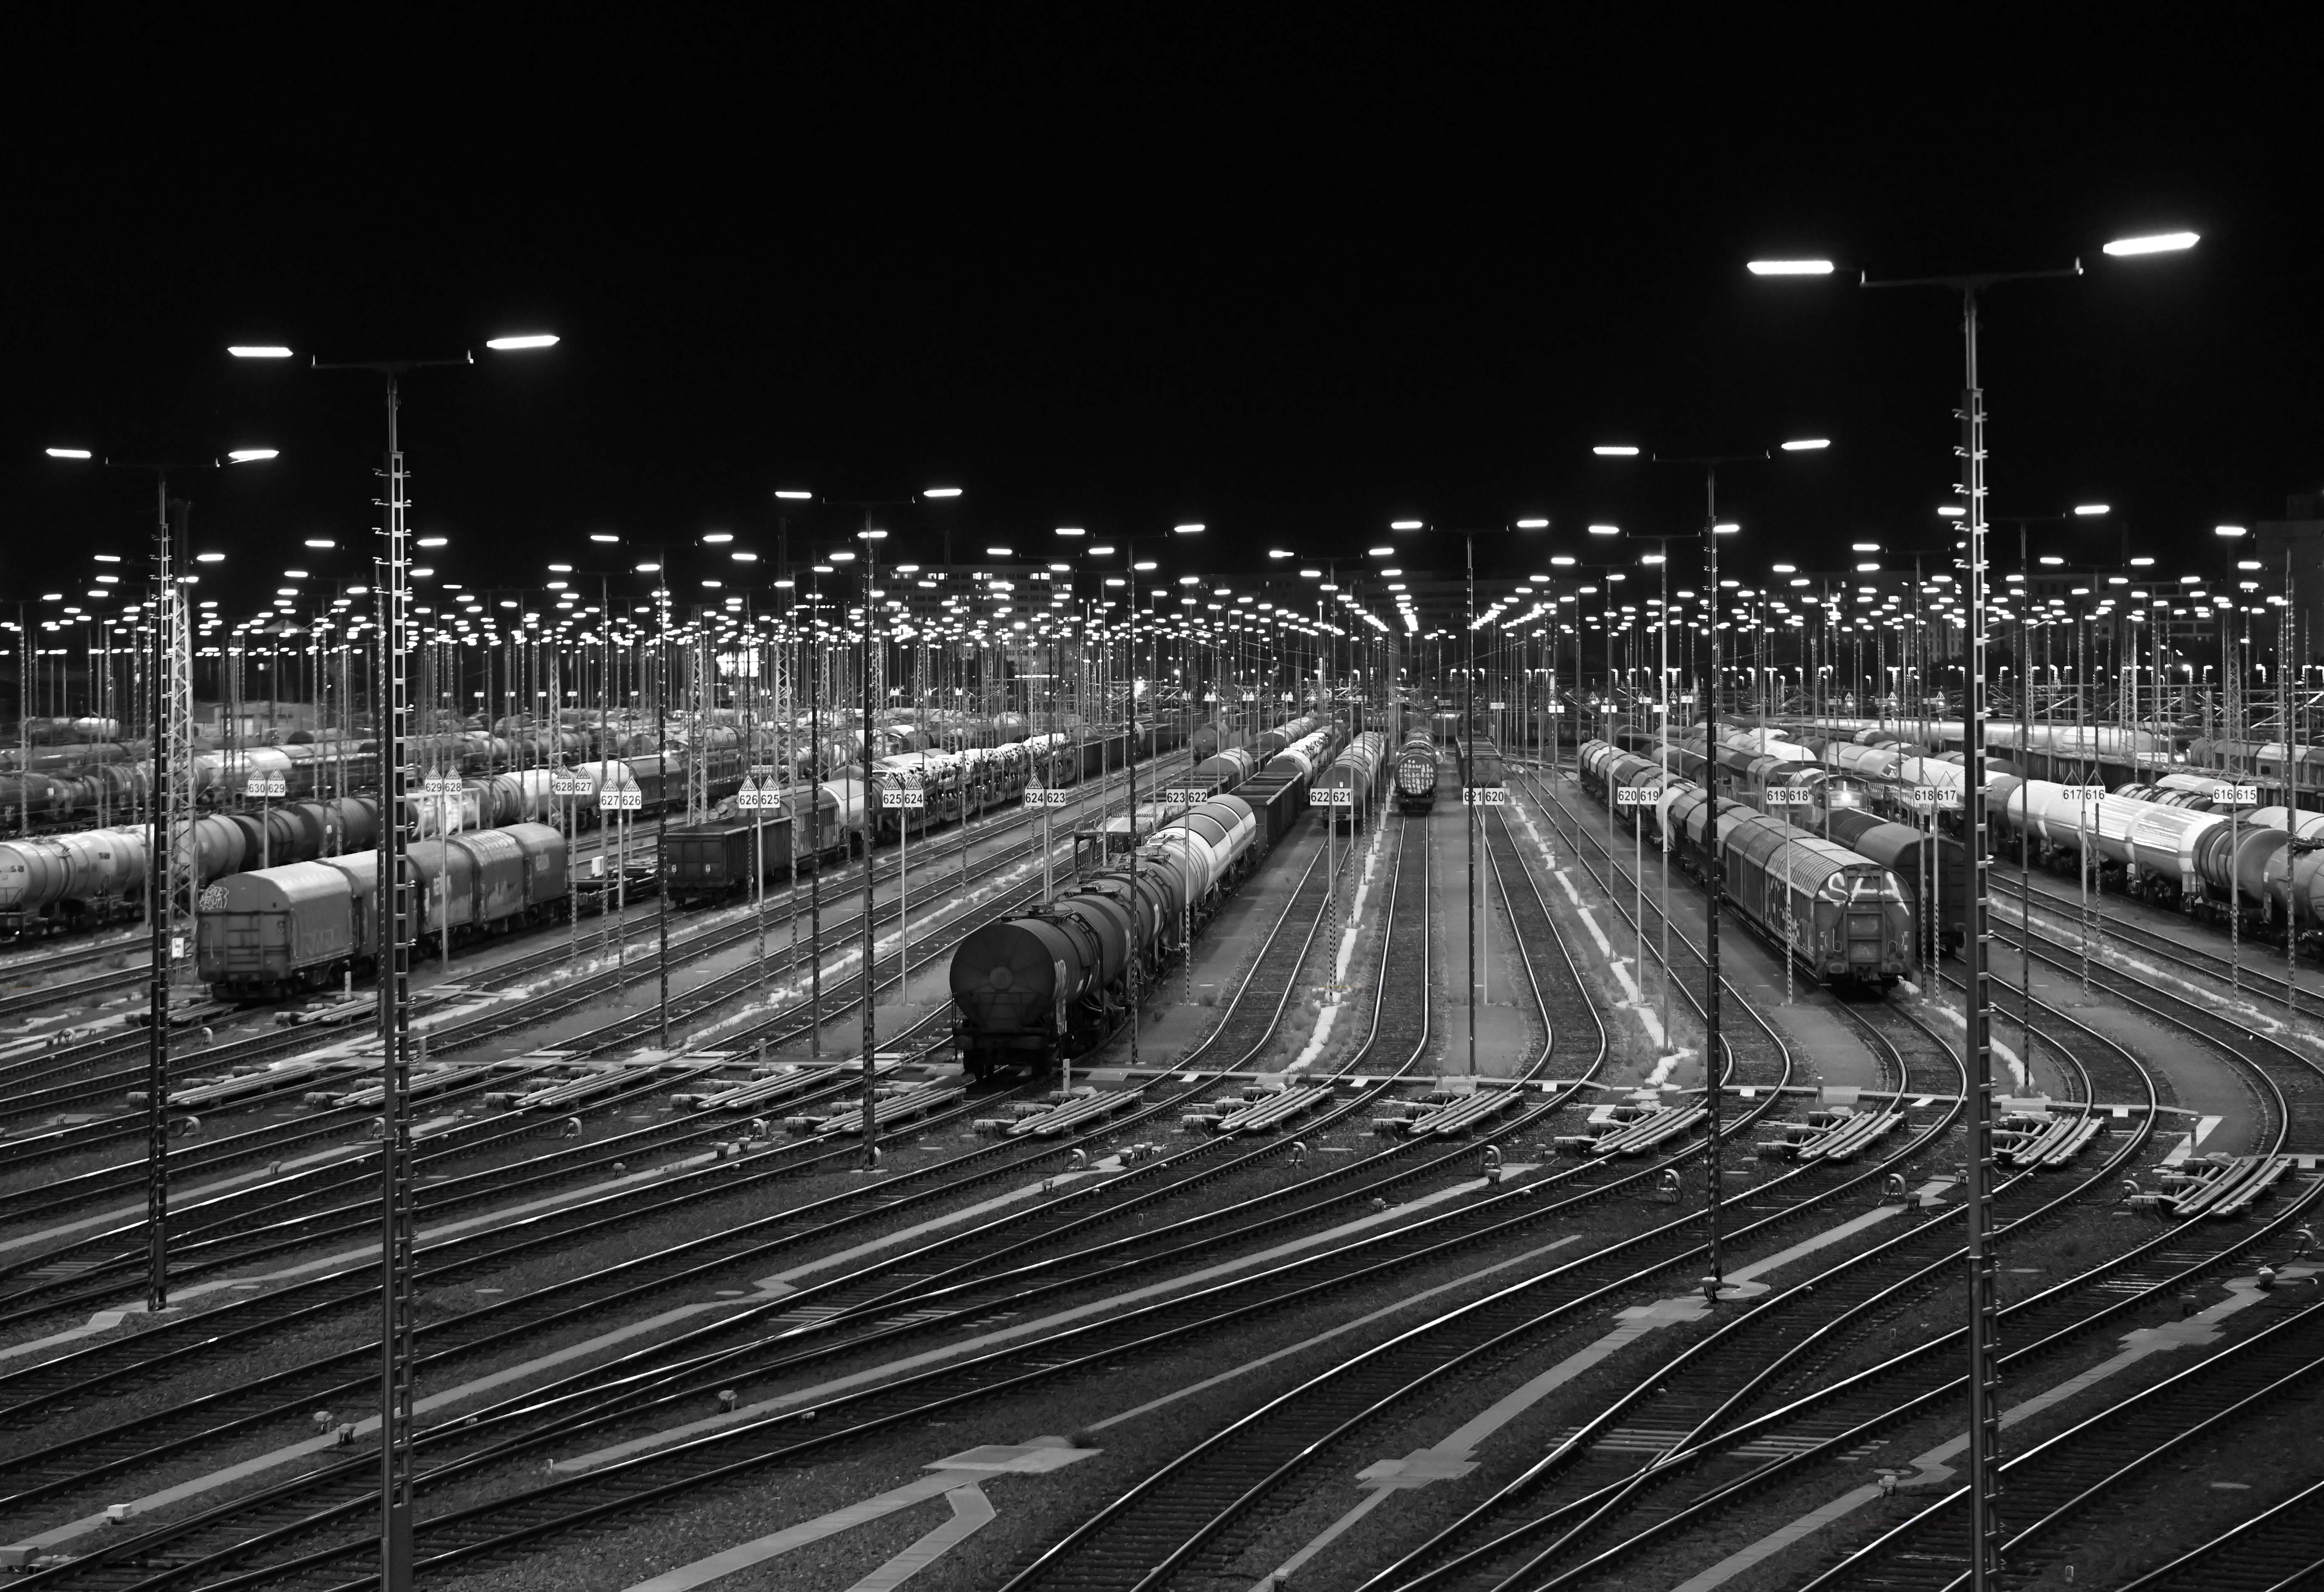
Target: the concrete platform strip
(1449, 1458)
(1935, 1467)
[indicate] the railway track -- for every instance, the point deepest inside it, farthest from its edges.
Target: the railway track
(2051, 1481)
(2292, 1084)
(1191, 1518)
(18, 1099)
(2275, 1551)
(1808, 1406)
(1639, 1485)
(54, 1283)
(466, 1430)
(1031, 1278)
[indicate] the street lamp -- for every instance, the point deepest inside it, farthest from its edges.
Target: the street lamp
(398, 1308)
(1714, 873)
(871, 536)
(172, 878)
(1985, 1406)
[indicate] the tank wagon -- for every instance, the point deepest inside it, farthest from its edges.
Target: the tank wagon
(59, 884)
(304, 926)
(1362, 771)
(1416, 774)
(1033, 990)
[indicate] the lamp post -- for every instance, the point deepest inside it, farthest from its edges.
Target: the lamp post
(1985, 1409)
(171, 925)
(870, 536)
(1714, 870)
(393, 596)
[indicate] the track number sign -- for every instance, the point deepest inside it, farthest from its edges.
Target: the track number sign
(1484, 795)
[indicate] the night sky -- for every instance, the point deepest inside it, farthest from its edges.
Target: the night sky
(1290, 283)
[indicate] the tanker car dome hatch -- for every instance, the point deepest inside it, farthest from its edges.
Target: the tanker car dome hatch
(1001, 977)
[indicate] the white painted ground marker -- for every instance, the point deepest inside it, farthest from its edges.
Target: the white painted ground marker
(971, 1511)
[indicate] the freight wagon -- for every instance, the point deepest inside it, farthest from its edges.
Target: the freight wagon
(1034, 989)
(304, 926)
(1416, 774)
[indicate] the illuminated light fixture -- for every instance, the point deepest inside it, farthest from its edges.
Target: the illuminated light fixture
(1605, 529)
(258, 351)
(845, 556)
(1953, 511)
(602, 536)
(1807, 445)
(1101, 552)
(1614, 450)
(254, 455)
(717, 537)
(788, 497)
(1195, 529)
(524, 340)
(1070, 530)
(320, 542)
(1866, 569)
(1864, 547)
(107, 558)
(210, 558)
(1143, 565)
(941, 492)
(1725, 528)
(432, 541)
(1786, 569)
(871, 536)
(1533, 524)
(2088, 509)
(2227, 531)
(1311, 574)
(70, 453)
(2160, 243)
(1789, 267)
(1404, 524)
(649, 569)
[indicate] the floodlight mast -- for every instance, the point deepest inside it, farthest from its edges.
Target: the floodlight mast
(391, 588)
(1984, 1313)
